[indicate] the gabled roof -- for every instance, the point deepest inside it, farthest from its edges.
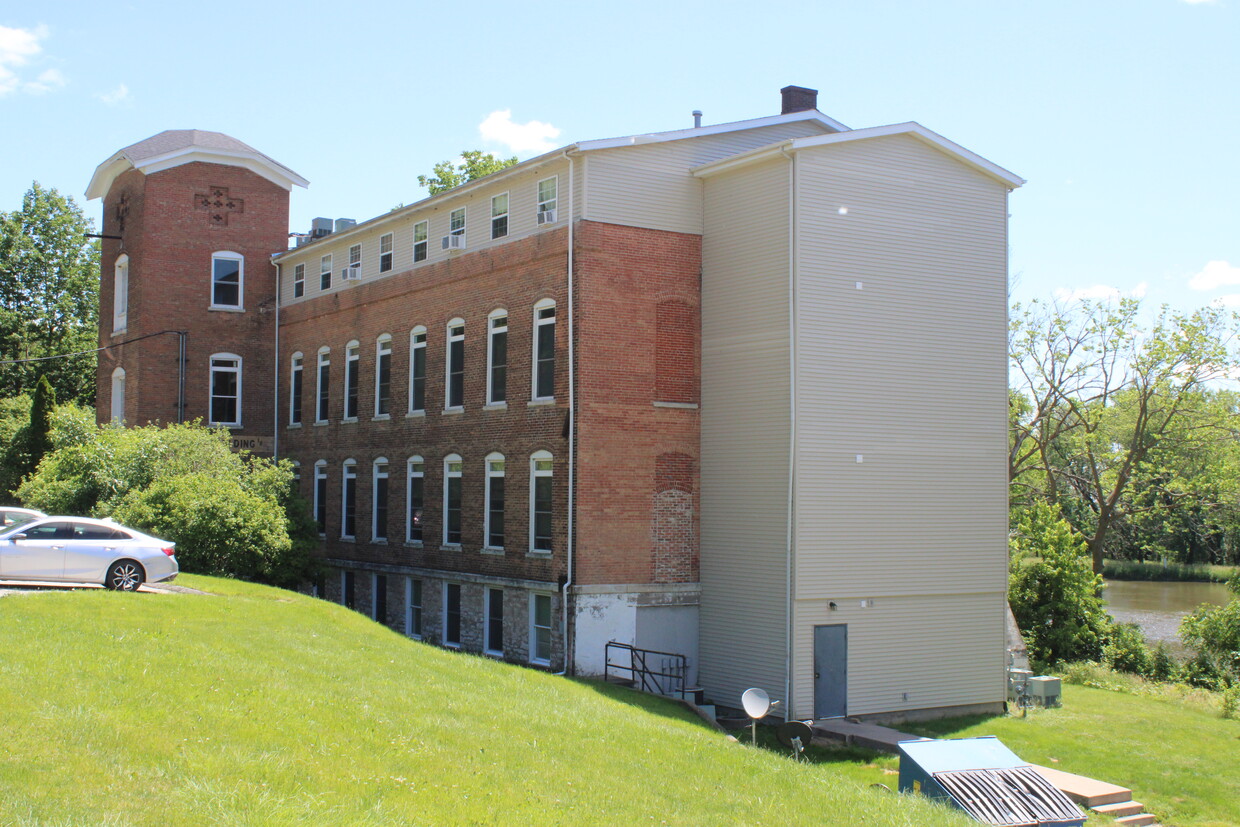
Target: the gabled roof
(174, 147)
(716, 129)
(910, 128)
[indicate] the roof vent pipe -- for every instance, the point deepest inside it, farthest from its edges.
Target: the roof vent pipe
(697, 118)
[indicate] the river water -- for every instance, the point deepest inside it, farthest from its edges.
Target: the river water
(1158, 607)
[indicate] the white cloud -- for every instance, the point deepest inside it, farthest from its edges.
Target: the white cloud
(118, 95)
(1098, 292)
(1214, 275)
(1198, 2)
(17, 47)
(1228, 300)
(532, 136)
(45, 82)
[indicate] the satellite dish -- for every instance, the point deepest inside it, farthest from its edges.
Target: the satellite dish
(795, 735)
(756, 702)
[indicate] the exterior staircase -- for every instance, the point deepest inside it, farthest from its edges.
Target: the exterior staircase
(1099, 796)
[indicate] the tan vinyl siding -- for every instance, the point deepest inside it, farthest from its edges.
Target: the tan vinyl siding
(745, 433)
(522, 192)
(650, 185)
(907, 644)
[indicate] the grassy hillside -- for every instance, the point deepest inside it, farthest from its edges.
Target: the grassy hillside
(257, 706)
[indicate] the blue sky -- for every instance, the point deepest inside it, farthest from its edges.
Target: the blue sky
(1123, 116)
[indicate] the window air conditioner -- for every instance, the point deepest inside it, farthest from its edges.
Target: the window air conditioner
(453, 242)
(546, 217)
(351, 273)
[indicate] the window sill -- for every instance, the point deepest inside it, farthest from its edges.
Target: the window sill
(536, 662)
(491, 653)
(231, 425)
(344, 539)
(495, 406)
(378, 541)
(413, 544)
(447, 645)
(537, 403)
(544, 555)
(689, 406)
(492, 550)
(381, 417)
(348, 420)
(119, 331)
(413, 414)
(450, 547)
(225, 308)
(319, 423)
(292, 426)
(452, 411)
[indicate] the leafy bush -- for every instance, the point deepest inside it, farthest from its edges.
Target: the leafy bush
(1126, 651)
(1214, 633)
(1053, 591)
(1163, 665)
(1231, 701)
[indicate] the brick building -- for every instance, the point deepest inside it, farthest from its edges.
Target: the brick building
(653, 389)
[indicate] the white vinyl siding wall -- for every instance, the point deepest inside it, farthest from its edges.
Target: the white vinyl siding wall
(650, 186)
(745, 433)
(910, 373)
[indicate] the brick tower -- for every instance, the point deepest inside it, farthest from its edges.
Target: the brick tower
(187, 294)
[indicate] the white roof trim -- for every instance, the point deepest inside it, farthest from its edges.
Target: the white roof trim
(716, 129)
(910, 128)
(111, 169)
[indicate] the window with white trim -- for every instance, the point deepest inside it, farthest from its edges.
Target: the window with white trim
(120, 294)
(386, 245)
(320, 496)
(352, 357)
(540, 628)
(348, 500)
(544, 350)
(417, 369)
(452, 614)
(118, 395)
(378, 598)
(452, 500)
(493, 520)
(421, 231)
(495, 622)
(413, 608)
(497, 357)
(383, 376)
(325, 272)
(299, 281)
(347, 595)
(323, 392)
(295, 383)
(295, 484)
(499, 215)
(454, 384)
(456, 222)
(541, 464)
(415, 498)
(379, 502)
(548, 190)
(225, 407)
(355, 255)
(227, 279)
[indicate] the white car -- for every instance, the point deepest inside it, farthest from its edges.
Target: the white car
(81, 550)
(11, 516)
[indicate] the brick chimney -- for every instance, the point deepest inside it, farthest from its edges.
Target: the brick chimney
(798, 99)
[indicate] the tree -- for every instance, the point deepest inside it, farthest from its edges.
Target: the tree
(41, 421)
(475, 164)
(1101, 391)
(49, 296)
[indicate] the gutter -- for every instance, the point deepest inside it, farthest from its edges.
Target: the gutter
(792, 424)
(275, 410)
(569, 661)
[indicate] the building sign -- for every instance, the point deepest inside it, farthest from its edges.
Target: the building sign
(253, 444)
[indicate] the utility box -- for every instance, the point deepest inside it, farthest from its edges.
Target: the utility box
(1018, 682)
(1046, 691)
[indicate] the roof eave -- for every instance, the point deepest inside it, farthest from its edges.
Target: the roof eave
(715, 129)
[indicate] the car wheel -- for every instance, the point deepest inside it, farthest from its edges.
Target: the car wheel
(124, 576)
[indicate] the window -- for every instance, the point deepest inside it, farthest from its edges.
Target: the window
(295, 485)
(544, 350)
(299, 281)
(452, 614)
(227, 279)
(419, 241)
(120, 295)
(346, 589)
(378, 597)
(452, 500)
(383, 376)
(540, 501)
(455, 385)
(413, 610)
(415, 497)
(118, 395)
(325, 272)
(385, 252)
(494, 511)
(548, 188)
(497, 358)
(320, 496)
(540, 628)
(294, 390)
(348, 500)
(324, 380)
(352, 353)
(495, 622)
(379, 502)
(456, 222)
(355, 256)
(499, 216)
(225, 389)
(417, 369)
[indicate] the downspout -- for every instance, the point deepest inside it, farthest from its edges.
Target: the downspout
(572, 435)
(275, 410)
(792, 424)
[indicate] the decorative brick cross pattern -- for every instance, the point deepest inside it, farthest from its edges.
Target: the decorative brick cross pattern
(122, 211)
(219, 205)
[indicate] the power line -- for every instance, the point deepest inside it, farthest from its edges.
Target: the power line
(87, 352)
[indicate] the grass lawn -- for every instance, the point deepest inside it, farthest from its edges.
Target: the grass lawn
(1178, 758)
(257, 706)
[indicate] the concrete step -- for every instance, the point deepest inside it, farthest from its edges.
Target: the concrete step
(1084, 790)
(1141, 820)
(708, 709)
(1121, 808)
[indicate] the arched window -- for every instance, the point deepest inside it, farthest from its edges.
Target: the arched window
(540, 501)
(120, 300)
(452, 500)
(118, 395)
(417, 369)
(493, 530)
(323, 394)
(225, 406)
(379, 501)
(352, 357)
(294, 388)
(320, 496)
(348, 500)
(227, 280)
(497, 357)
(415, 496)
(454, 382)
(383, 376)
(543, 384)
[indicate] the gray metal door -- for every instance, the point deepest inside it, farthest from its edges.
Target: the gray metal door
(830, 671)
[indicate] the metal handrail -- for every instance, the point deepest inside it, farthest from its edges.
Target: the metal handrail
(674, 668)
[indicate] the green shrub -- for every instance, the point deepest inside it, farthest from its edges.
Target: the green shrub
(1163, 665)
(1214, 633)
(1126, 651)
(1230, 704)
(1202, 672)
